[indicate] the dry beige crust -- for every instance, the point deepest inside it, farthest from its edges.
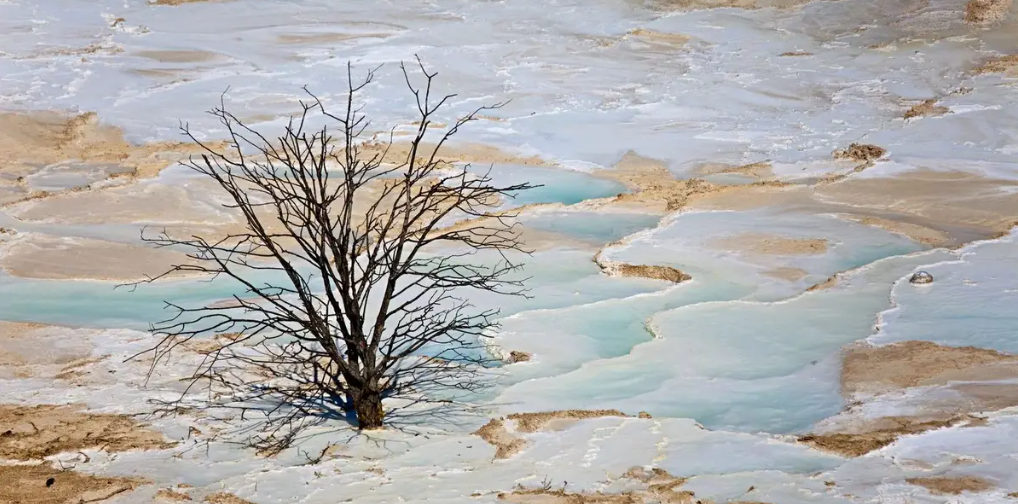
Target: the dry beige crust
(324, 38)
(786, 273)
(769, 244)
(671, 39)
(666, 273)
(182, 2)
(34, 139)
(225, 498)
(655, 188)
(1007, 65)
(495, 433)
(178, 56)
(832, 281)
(860, 152)
(194, 209)
(36, 432)
(874, 369)
(915, 232)
(987, 11)
(24, 484)
(759, 170)
(691, 5)
(31, 433)
(506, 444)
(55, 258)
(879, 433)
(925, 205)
(972, 201)
(869, 370)
(168, 494)
(30, 350)
(926, 108)
(399, 151)
(141, 203)
(956, 199)
(658, 486)
(952, 485)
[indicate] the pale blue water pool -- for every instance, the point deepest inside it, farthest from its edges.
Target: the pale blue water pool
(594, 227)
(558, 185)
(971, 301)
(748, 366)
(100, 304)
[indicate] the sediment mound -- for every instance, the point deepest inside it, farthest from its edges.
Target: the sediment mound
(926, 108)
(860, 152)
(225, 498)
(987, 11)
(655, 272)
(877, 435)
(621, 269)
(518, 356)
(171, 495)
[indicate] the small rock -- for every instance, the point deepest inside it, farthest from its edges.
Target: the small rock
(644, 414)
(50, 482)
(861, 152)
(921, 277)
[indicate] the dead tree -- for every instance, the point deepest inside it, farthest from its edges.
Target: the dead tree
(357, 261)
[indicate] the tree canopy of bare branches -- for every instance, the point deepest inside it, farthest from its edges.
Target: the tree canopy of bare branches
(355, 285)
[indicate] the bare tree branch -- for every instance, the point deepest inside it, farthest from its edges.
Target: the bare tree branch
(354, 287)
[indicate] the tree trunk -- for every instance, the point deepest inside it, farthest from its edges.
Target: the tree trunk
(368, 406)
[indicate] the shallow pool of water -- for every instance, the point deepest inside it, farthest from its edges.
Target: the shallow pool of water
(556, 185)
(599, 228)
(971, 301)
(741, 365)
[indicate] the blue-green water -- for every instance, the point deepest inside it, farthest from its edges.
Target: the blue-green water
(102, 304)
(595, 227)
(557, 185)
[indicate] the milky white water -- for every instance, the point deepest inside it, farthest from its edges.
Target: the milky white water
(735, 350)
